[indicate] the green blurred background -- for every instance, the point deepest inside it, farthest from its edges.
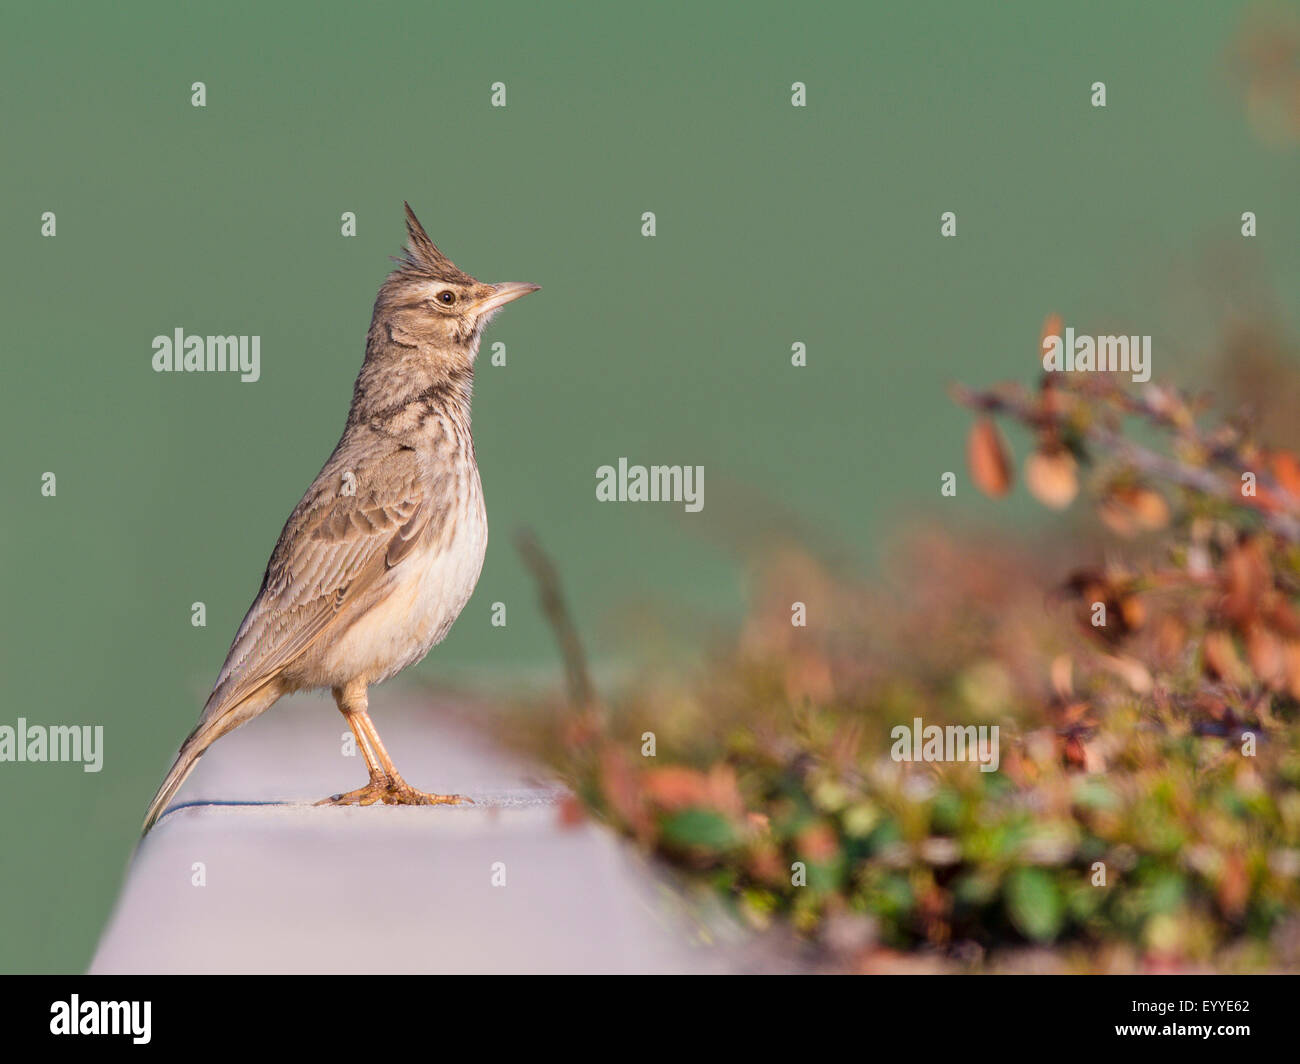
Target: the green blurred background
(775, 225)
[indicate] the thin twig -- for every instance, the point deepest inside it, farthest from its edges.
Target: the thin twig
(1146, 461)
(539, 564)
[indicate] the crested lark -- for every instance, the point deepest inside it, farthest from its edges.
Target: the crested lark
(382, 553)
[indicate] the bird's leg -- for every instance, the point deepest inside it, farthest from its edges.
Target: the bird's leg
(400, 792)
(352, 704)
(386, 784)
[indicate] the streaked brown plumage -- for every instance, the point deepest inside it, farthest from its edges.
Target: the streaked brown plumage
(382, 553)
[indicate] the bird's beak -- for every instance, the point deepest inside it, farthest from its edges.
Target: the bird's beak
(505, 292)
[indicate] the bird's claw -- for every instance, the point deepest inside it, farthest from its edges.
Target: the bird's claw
(393, 792)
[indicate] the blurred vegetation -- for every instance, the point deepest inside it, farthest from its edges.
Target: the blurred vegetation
(1142, 663)
(1143, 668)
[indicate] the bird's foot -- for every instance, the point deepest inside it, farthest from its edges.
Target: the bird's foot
(393, 792)
(402, 793)
(371, 793)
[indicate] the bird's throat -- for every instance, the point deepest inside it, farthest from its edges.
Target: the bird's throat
(400, 383)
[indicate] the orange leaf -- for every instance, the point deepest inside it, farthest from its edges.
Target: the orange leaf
(1286, 468)
(1221, 658)
(1267, 657)
(817, 843)
(618, 781)
(1291, 655)
(1247, 578)
(1052, 478)
(1126, 511)
(1233, 888)
(990, 465)
(571, 812)
(675, 787)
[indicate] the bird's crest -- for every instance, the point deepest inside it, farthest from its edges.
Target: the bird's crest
(422, 258)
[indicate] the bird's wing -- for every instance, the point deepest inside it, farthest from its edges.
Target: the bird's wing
(333, 549)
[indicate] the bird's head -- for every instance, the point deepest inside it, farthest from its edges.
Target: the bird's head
(429, 305)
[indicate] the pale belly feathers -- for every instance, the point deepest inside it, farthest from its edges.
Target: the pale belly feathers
(426, 594)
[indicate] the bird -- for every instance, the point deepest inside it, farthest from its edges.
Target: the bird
(383, 551)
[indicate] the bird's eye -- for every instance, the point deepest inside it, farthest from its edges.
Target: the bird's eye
(446, 297)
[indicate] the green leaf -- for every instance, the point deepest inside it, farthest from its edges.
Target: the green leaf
(1095, 794)
(1034, 904)
(701, 828)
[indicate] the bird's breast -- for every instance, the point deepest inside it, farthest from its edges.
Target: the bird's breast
(448, 565)
(425, 594)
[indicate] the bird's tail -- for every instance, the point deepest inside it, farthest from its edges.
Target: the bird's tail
(211, 727)
(181, 767)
